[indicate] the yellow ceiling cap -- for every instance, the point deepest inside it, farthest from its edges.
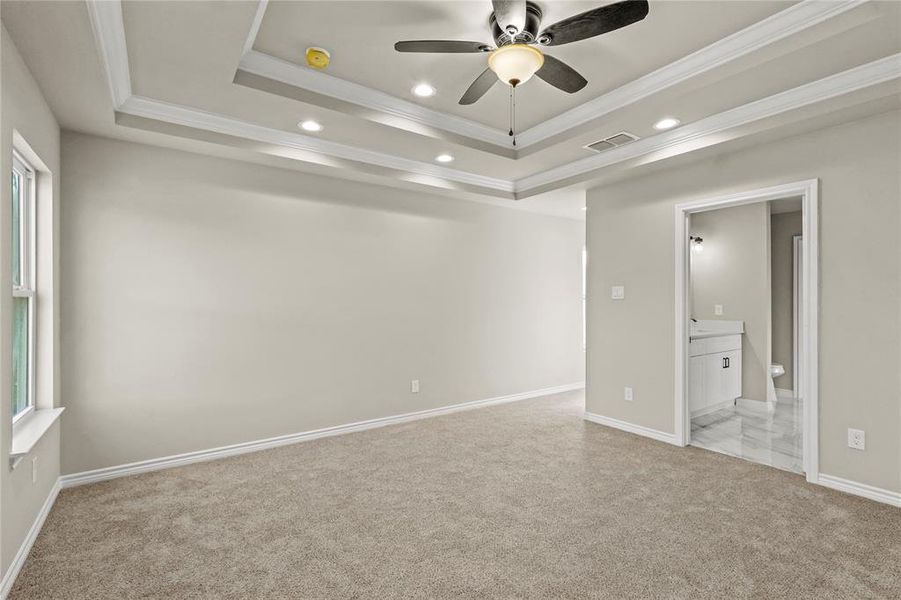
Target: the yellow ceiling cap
(318, 58)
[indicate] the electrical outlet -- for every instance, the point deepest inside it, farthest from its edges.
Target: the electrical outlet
(618, 292)
(414, 386)
(34, 470)
(627, 394)
(718, 310)
(857, 439)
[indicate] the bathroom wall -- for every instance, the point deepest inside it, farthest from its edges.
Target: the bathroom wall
(734, 271)
(783, 227)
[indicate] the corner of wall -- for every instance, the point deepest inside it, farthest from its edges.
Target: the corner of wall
(27, 491)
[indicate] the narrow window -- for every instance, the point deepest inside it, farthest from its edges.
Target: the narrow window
(23, 250)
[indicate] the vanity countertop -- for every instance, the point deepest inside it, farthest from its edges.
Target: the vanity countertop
(702, 329)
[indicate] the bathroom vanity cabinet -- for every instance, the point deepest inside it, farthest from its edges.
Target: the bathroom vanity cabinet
(714, 379)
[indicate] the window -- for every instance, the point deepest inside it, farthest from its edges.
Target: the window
(23, 250)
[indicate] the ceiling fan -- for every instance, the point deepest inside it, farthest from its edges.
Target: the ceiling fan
(515, 58)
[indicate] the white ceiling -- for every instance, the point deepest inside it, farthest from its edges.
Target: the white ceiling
(226, 78)
(360, 37)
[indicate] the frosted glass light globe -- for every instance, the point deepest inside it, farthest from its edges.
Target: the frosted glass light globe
(515, 64)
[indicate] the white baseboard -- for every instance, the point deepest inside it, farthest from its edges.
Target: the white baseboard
(712, 408)
(10, 577)
(661, 436)
(781, 392)
(168, 462)
(762, 406)
(860, 489)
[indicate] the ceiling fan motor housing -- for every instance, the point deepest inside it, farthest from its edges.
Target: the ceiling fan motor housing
(526, 36)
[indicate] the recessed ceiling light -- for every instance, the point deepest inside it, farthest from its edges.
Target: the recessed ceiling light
(666, 123)
(424, 90)
(445, 158)
(310, 126)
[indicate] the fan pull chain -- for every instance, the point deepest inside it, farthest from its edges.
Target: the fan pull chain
(512, 113)
(510, 110)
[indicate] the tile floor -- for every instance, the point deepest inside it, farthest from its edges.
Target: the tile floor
(773, 439)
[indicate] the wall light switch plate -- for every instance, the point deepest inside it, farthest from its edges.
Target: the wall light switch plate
(618, 292)
(718, 310)
(857, 439)
(414, 386)
(627, 394)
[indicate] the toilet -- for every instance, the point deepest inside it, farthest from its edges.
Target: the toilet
(775, 371)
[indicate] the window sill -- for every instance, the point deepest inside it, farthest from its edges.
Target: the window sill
(29, 431)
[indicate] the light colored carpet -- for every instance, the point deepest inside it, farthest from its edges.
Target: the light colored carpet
(523, 500)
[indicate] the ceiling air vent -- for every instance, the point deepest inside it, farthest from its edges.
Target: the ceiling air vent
(613, 141)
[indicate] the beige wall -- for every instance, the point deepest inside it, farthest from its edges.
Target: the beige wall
(630, 242)
(784, 227)
(734, 271)
(25, 112)
(211, 302)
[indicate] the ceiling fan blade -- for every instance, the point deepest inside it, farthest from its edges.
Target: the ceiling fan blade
(510, 13)
(594, 22)
(441, 46)
(561, 75)
(478, 88)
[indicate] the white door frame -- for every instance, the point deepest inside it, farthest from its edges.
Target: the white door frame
(797, 314)
(808, 191)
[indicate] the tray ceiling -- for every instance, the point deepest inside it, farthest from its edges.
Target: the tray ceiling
(226, 77)
(360, 37)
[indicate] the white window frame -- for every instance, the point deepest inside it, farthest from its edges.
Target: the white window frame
(27, 254)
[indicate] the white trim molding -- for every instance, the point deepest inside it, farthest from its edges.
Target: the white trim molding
(861, 489)
(713, 408)
(874, 73)
(318, 82)
(198, 119)
(809, 192)
(752, 405)
(109, 32)
(9, 578)
(109, 35)
(178, 460)
(654, 434)
(857, 78)
(27, 432)
(756, 36)
(255, 26)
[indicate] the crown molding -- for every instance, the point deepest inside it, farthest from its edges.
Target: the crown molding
(858, 78)
(255, 26)
(792, 20)
(787, 22)
(270, 67)
(109, 35)
(867, 75)
(109, 32)
(149, 108)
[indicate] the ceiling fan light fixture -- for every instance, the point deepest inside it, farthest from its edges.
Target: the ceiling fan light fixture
(516, 63)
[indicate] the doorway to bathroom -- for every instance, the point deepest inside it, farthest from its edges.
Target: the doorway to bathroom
(746, 289)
